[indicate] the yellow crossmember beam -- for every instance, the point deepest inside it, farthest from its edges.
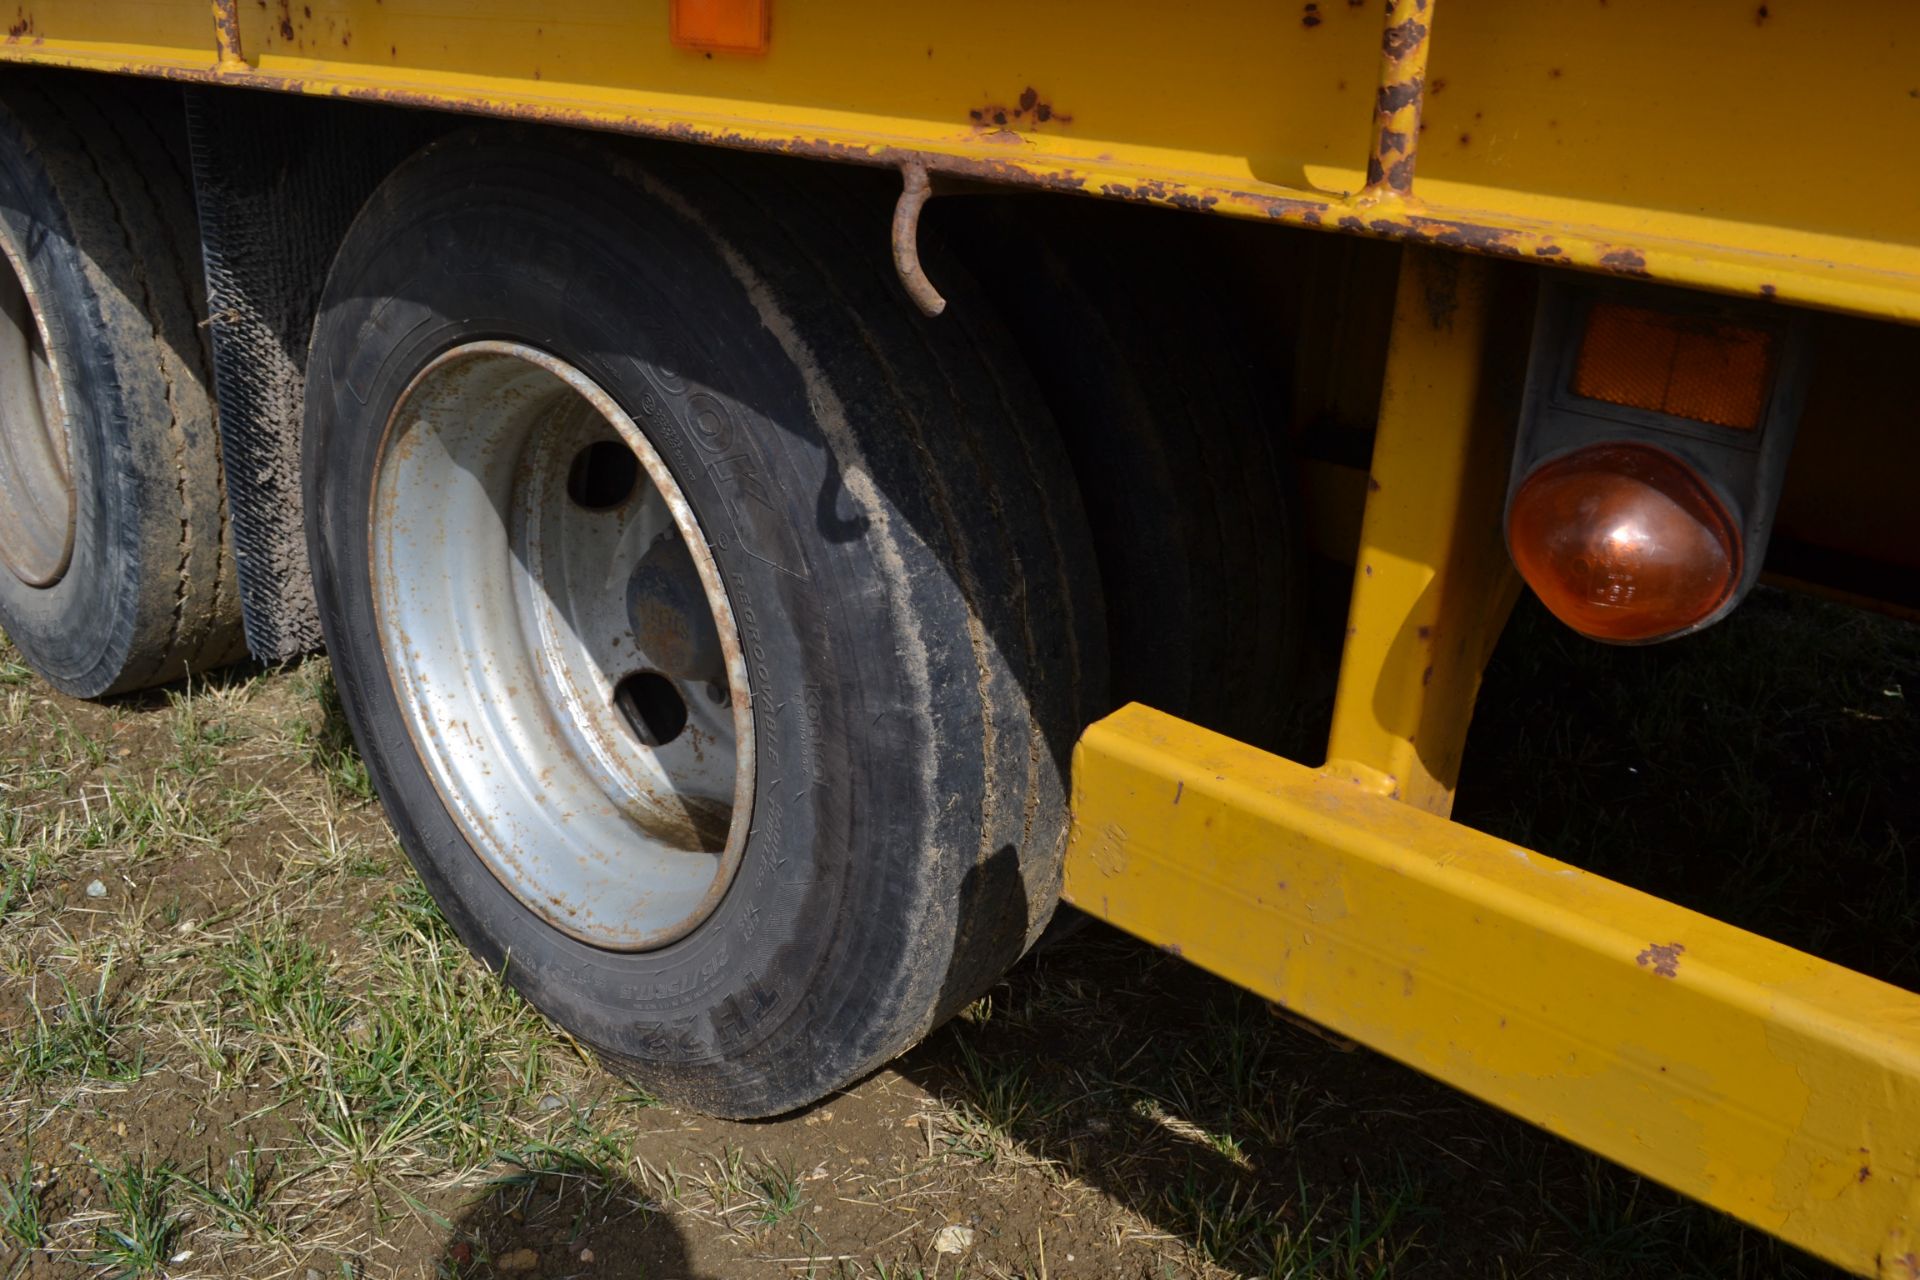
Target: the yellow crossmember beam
(1753, 1077)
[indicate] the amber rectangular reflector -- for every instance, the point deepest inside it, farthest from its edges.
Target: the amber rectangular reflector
(1688, 366)
(720, 26)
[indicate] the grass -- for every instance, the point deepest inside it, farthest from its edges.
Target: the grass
(777, 1186)
(78, 1038)
(141, 1226)
(236, 1198)
(325, 743)
(264, 1051)
(22, 1216)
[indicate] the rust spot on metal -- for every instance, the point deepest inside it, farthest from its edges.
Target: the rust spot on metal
(1155, 191)
(1760, 16)
(1425, 633)
(21, 25)
(1398, 100)
(1310, 17)
(226, 33)
(1553, 73)
(1662, 957)
(1769, 291)
(1863, 1175)
(1392, 97)
(916, 188)
(1466, 139)
(1373, 486)
(1029, 109)
(1403, 38)
(1442, 294)
(1626, 262)
(1438, 85)
(1392, 222)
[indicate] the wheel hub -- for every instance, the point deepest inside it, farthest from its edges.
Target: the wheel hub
(37, 508)
(562, 645)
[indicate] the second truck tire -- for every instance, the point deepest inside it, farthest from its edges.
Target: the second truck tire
(115, 570)
(715, 628)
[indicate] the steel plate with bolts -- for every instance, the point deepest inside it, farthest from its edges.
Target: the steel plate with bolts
(561, 645)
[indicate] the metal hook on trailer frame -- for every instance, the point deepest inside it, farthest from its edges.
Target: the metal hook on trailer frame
(906, 239)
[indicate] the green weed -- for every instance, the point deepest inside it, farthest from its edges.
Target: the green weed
(138, 1236)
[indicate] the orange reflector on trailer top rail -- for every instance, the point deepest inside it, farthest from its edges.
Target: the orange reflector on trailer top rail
(1687, 366)
(721, 26)
(1624, 542)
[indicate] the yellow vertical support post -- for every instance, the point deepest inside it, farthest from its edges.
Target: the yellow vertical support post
(1432, 583)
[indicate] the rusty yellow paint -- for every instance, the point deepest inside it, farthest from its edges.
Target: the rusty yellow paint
(1753, 1077)
(1432, 582)
(1397, 102)
(1593, 137)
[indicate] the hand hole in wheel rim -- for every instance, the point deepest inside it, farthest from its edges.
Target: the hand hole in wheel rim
(655, 709)
(38, 516)
(515, 621)
(603, 475)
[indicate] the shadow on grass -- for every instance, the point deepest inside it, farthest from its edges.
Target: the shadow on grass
(1273, 1150)
(552, 1218)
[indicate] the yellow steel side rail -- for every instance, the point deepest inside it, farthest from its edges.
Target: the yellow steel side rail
(1760, 1080)
(1589, 136)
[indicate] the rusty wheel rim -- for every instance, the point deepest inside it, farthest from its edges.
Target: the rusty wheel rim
(38, 515)
(562, 646)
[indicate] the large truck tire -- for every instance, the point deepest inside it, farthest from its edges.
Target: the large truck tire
(715, 628)
(115, 570)
(1174, 425)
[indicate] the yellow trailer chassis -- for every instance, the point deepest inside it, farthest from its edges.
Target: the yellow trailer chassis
(1744, 148)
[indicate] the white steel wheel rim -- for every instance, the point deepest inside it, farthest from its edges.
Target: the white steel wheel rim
(544, 623)
(38, 515)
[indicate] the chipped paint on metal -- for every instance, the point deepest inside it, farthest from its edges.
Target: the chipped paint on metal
(226, 35)
(1397, 100)
(1662, 957)
(1858, 284)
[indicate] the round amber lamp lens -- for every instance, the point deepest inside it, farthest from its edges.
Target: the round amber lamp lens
(1623, 542)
